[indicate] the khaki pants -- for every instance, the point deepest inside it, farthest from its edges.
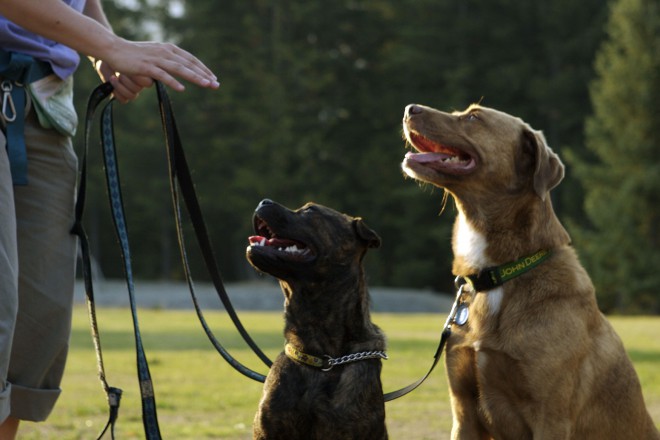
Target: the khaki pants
(37, 271)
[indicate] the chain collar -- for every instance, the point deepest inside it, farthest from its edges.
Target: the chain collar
(326, 363)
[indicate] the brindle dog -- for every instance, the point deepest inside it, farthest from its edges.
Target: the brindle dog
(316, 253)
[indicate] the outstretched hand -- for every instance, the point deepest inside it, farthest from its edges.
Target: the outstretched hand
(132, 66)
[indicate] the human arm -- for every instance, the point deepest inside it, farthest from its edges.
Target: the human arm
(91, 35)
(125, 87)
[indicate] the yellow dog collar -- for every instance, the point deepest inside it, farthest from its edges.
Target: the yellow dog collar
(327, 362)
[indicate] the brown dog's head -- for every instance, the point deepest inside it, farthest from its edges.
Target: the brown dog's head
(306, 244)
(497, 149)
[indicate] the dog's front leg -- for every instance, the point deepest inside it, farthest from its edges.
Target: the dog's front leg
(552, 419)
(464, 393)
(553, 431)
(466, 425)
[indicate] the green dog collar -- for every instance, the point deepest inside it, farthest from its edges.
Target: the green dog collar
(492, 277)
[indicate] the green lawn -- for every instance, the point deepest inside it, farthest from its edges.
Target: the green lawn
(200, 396)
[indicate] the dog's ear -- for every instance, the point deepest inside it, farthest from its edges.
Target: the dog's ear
(366, 233)
(548, 169)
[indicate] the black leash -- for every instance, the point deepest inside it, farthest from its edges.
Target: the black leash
(113, 394)
(149, 414)
(178, 173)
(487, 279)
(444, 337)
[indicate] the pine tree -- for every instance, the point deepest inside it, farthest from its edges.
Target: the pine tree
(621, 246)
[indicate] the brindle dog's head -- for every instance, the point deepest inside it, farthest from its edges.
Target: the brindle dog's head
(479, 149)
(310, 243)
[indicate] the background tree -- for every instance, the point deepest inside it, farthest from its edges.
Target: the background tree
(310, 108)
(621, 174)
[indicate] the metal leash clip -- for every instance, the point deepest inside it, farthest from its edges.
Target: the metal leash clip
(460, 312)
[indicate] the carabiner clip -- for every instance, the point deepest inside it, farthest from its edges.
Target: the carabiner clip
(8, 108)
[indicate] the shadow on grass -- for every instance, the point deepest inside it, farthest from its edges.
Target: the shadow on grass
(639, 356)
(173, 341)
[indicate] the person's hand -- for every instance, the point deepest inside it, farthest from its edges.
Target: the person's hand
(126, 87)
(131, 66)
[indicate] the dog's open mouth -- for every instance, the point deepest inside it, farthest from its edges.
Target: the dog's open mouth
(266, 239)
(439, 157)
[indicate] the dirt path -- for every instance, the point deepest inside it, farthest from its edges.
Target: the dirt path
(257, 295)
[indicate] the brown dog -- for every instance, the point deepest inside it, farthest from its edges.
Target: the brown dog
(326, 385)
(535, 358)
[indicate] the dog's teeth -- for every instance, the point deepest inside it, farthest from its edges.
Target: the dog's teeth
(453, 160)
(292, 249)
(263, 241)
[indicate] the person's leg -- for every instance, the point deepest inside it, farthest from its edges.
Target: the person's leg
(8, 287)
(9, 428)
(47, 257)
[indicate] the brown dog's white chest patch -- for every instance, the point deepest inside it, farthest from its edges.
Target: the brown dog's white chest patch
(495, 300)
(470, 244)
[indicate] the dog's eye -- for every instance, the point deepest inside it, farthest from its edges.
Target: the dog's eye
(471, 117)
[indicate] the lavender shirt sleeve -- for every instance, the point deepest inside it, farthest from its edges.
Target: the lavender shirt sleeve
(62, 59)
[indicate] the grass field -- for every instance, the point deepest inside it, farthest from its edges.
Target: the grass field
(199, 396)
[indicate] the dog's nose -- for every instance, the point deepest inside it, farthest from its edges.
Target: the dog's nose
(265, 202)
(413, 109)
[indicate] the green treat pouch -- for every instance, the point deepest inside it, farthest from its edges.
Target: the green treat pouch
(52, 98)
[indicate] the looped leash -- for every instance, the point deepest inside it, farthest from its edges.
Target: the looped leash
(180, 174)
(180, 179)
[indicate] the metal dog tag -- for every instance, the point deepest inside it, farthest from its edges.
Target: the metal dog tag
(462, 314)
